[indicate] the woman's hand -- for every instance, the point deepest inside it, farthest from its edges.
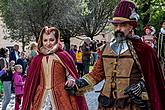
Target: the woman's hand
(70, 83)
(70, 86)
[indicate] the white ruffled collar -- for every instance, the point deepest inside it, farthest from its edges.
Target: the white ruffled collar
(47, 52)
(162, 31)
(118, 48)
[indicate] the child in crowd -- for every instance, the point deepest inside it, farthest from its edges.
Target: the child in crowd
(18, 85)
(11, 66)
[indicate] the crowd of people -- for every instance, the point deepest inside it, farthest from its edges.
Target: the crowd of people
(50, 78)
(85, 55)
(13, 66)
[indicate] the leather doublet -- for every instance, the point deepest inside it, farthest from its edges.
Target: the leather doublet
(123, 71)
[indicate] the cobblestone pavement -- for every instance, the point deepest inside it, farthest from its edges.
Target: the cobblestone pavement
(11, 104)
(91, 98)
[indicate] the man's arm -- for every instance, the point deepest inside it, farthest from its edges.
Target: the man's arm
(87, 82)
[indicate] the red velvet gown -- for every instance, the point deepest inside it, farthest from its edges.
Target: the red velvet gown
(46, 80)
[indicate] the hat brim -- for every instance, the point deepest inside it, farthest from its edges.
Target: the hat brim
(131, 22)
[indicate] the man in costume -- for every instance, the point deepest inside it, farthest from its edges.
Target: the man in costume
(48, 73)
(161, 45)
(130, 68)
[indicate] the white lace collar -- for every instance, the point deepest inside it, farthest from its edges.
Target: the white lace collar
(162, 31)
(118, 47)
(47, 52)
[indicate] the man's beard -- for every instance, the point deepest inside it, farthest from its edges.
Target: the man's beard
(119, 36)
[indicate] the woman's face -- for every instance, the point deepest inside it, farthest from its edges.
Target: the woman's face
(148, 31)
(48, 41)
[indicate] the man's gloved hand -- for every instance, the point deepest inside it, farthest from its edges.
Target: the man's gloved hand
(135, 89)
(139, 102)
(70, 90)
(80, 83)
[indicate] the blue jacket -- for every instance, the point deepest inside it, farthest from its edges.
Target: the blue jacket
(12, 56)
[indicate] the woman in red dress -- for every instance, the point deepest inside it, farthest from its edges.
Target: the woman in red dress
(48, 74)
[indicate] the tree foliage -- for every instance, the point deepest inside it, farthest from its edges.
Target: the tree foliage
(151, 13)
(25, 18)
(94, 15)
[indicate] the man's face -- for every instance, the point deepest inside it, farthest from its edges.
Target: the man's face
(123, 27)
(16, 47)
(23, 55)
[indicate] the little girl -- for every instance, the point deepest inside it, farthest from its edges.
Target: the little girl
(18, 85)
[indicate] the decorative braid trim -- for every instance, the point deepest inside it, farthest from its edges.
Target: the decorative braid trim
(144, 95)
(89, 79)
(134, 55)
(120, 19)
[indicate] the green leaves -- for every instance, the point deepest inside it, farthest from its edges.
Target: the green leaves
(151, 13)
(25, 18)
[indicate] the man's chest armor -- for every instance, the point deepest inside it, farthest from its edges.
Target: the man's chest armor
(126, 71)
